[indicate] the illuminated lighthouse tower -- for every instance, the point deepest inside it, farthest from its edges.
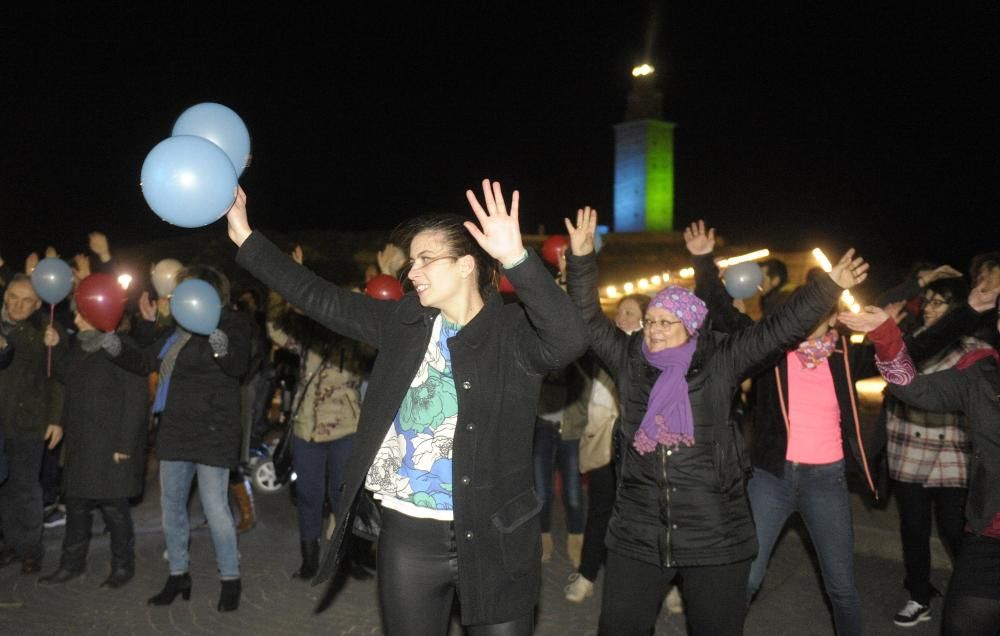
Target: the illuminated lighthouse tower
(644, 160)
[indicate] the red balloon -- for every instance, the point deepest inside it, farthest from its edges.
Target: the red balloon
(101, 301)
(553, 248)
(506, 287)
(384, 287)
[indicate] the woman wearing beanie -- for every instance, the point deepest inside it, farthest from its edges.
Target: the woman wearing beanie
(681, 507)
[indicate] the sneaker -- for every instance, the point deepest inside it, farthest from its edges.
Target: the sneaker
(912, 614)
(54, 518)
(579, 588)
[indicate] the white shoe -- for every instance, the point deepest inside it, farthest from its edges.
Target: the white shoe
(579, 588)
(911, 614)
(675, 604)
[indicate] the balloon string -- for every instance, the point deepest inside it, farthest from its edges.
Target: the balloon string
(52, 319)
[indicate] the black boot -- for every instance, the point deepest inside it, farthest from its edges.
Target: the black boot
(310, 560)
(229, 599)
(176, 584)
(121, 576)
(62, 575)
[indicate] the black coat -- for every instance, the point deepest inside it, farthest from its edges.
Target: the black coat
(104, 412)
(976, 393)
(498, 360)
(201, 419)
(30, 400)
(688, 506)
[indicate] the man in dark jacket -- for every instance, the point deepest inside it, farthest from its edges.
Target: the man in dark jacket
(6, 355)
(30, 412)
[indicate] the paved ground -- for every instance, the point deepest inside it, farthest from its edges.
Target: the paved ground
(791, 601)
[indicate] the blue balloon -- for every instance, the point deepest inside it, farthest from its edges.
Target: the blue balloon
(742, 279)
(196, 306)
(188, 181)
(220, 125)
(52, 279)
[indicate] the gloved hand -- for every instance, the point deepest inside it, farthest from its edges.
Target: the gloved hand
(219, 342)
(112, 344)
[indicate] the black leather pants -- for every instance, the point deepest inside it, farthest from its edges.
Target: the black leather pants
(417, 579)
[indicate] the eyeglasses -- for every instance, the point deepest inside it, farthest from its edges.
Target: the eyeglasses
(935, 303)
(421, 262)
(662, 324)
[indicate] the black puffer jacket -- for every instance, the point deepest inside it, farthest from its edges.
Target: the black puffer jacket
(201, 420)
(687, 506)
(498, 360)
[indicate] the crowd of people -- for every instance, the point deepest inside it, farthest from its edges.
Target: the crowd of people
(437, 430)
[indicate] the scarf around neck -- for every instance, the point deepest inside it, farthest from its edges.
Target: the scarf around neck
(814, 351)
(90, 340)
(668, 420)
(168, 358)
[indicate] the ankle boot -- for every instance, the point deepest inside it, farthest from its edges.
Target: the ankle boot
(229, 599)
(574, 547)
(310, 560)
(547, 547)
(244, 499)
(176, 584)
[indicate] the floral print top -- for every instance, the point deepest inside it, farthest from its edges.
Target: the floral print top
(412, 470)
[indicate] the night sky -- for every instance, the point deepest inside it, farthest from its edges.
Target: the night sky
(850, 124)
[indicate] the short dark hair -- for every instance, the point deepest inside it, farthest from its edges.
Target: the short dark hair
(983, 261)
(210, 275)
(459, 242)
(953, 290)
(640, 299)
(774, 268)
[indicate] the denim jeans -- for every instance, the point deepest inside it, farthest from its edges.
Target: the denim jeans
(818, 492)
(213, 491)
(550, 452)
(319, 468)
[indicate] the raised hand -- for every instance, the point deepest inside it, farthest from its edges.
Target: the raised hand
(236, 218)
(390, 259)
(147, 308)
(945, 271)
(81, 266)
(99, 246)
(51, 252)
(581, 235)
(869, 318)
(982, 298)
(896, 310)
(697, 241)
(297, 254)
(849, 271)
(31, 263)
(500, 235)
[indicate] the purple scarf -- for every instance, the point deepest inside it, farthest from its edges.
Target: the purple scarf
(668, 419)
